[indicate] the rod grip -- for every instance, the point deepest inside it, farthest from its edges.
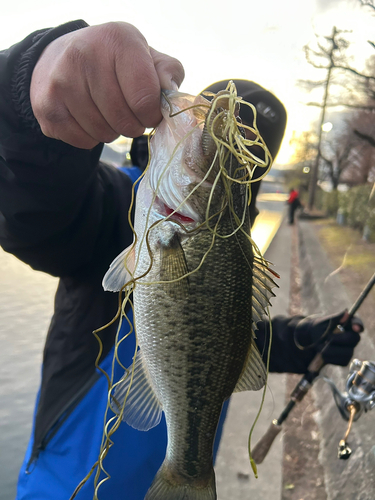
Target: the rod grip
(263, 446)
(317, 363)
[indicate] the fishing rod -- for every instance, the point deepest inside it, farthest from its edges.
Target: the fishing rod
(360, 395)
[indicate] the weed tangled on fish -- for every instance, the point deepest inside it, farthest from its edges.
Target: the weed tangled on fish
(198, 289)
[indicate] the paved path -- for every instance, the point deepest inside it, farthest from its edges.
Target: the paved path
(235, 480)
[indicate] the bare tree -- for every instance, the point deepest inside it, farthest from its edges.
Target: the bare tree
(357, 86)
(368, 3)
(357, 91)
(305, 148)
(302, 162)
(362, 169)
(338, 155)
(326, 57)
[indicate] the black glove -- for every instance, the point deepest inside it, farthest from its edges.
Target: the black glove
(312, 333)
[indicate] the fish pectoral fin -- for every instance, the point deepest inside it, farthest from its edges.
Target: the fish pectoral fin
(254, 374)
(134, 398)
(120, 271)
(173, 268)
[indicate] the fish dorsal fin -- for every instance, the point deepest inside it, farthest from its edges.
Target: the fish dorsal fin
(142, 408)
(261, 289)
(119, 272)
(254, 374)
(173, 267)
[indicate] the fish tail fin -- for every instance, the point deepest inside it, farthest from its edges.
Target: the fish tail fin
(164, 487)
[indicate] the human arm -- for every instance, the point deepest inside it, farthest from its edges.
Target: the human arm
(97, 83)
(58, 206)
(297, 339)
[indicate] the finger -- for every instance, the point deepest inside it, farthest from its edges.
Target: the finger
(357, 324)
(348, 337)
(338, 355)
(170, 71)
(137, 77)
(91, 120)
(113, 106)
(56, 122)
(322, 328)
(69, 131)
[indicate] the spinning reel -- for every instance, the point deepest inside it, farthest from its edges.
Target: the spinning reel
(359, 397)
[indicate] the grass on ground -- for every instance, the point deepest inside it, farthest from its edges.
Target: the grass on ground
(354, 259)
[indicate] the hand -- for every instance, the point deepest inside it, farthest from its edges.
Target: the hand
(312, 333)
(97, 83)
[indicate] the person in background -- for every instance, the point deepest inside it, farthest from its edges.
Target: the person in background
(64, 92)
(139, 152)
(293, 204)
(139, 158)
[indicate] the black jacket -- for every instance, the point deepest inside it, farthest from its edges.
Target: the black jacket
(65, 213)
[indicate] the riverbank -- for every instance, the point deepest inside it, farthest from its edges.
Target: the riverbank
(331, 284)
(353, 260)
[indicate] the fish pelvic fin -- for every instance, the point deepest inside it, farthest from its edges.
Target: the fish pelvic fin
(134, 396)
(165, 487)
(254, 374)
(120, 271)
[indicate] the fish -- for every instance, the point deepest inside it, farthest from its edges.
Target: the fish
(198, 291)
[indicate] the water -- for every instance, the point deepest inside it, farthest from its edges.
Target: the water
(26, 306)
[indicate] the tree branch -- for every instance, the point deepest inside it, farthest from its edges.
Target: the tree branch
(329, 162)
(311, 84)
(365, 137)
(326, 53)
(308, 51)
(352, 70)
(367, 3)
(345, 105)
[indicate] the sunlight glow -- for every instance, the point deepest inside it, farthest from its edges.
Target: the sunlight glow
(257, 41)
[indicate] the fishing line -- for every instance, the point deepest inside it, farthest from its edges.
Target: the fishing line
(106, 441)
(266, 310)
(231, 149)
(342, 265)
(252, 462)
(116, 420)
(224, 129)
(110, 429)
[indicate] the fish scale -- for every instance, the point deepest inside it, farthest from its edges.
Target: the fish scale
(193, 310)
(212, 320)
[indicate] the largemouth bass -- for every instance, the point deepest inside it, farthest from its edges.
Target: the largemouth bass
(196, 284)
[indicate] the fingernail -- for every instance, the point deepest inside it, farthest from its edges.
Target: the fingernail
(174, 85)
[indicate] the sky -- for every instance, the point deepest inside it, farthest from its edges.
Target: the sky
(256, 40)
